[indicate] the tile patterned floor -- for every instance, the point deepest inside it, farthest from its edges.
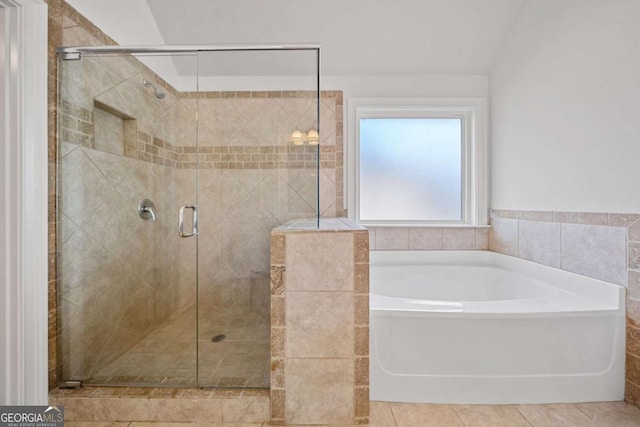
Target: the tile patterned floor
(167, 356)
(604, 414)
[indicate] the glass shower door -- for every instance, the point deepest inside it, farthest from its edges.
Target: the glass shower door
(127, 167)
(253, 177)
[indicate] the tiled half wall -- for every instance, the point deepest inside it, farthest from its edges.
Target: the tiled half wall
(605, 246)
(320, 324)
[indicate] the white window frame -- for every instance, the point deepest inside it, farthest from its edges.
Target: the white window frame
(472, 111)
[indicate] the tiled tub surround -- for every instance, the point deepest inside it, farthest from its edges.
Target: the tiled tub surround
(600, 245)
(320, 324)
(428, 238)
(251, 180)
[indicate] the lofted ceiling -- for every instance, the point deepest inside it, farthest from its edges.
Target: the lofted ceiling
(358, 37)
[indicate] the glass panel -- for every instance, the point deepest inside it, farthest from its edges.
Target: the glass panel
(253, 178)
(411, 169)
(127, 281)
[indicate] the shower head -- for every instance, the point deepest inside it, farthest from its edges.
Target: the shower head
(157, 92)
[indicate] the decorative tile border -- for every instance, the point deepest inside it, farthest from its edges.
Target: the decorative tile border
(505, 238)
(278, 332)
(361, 310)
(77, 128)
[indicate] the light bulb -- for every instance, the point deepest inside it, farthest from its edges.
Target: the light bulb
(297, 138)
(313, 137)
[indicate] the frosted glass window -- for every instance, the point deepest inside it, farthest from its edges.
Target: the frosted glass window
(411, 169)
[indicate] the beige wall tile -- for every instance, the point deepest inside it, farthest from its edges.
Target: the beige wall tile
(633, 289)
(534, 215)
(278, 404)
(362, 341)
(362, 310)
(622, 220)
(108, 132)
(277, 249)
(633, 312)
(482, 238)
(182, 410)
(539, 242)
(425, 238)
(277, 279)
(633, 340)
(503, 213)
(246, 410)
(78, 409)
(458, 238)
(277, 373)
(323, 261)
(278, 312)
(632, 393)
(362, 371)
(634, 232)
(412, 414)
(632, 366)
(568, 217)
(595, 251)
(555, 415)
(593, 218)
(277, 342)
(130, 409)
(320, 391)
(372, 238)
(362, 401)
(503, 236)
(361, 246)
(361, 278)
(634, 255)
(320, 324)
(392, 238)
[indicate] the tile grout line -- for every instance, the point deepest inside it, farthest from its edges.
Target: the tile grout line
(525, 417)
(459, 417)
(585, 414)
(393, 415)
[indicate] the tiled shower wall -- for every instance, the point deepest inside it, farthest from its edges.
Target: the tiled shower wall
(600, 245)
(251, 180)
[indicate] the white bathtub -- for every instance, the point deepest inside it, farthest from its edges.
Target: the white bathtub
(481, 327)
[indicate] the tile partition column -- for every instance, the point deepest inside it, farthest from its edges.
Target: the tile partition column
(320, 323)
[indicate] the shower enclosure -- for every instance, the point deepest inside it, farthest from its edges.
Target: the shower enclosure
(169, 182)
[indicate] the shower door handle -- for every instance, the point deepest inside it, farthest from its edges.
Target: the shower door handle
(194, 211)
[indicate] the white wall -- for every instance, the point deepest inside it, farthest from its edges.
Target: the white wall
(565, 95)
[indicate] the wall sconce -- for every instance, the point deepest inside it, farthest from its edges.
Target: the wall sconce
(312, 137)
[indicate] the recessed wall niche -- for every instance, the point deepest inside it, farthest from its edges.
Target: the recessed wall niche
(114, 131)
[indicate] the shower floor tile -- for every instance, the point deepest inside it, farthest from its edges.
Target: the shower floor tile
(238, 357)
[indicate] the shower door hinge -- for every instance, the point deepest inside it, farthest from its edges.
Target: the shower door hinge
(71, 56)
